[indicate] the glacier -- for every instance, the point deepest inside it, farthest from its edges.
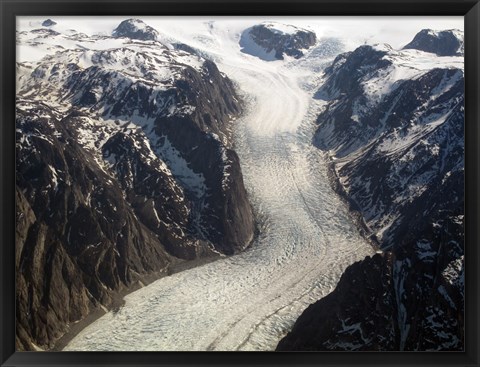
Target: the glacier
(306, 237)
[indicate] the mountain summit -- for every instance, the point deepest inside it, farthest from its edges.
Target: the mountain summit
(135, 29)
(48, 23)
(442, 43)
(273, 41)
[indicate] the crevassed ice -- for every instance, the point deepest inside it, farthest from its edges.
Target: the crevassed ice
(249, 301)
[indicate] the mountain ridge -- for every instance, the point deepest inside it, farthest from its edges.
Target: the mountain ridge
(397, 151)
(108, 168)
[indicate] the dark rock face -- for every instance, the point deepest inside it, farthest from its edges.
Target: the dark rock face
(78, 240)
(444, 43)
(273, 38)
(226, 218)
(135, 29)
(373, 308)
(357, 315)
(409, 143)
(399, 159)
(121, 175)
(48, 23)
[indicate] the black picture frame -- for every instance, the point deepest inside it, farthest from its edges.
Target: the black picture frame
(9, 9)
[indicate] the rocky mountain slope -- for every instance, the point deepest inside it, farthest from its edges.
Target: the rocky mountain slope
(273, 41)
(125, 167)
(394, 127)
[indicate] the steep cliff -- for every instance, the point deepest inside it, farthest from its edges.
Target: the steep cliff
(125, 167)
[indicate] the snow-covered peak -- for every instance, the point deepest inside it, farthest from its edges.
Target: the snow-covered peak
(380, 68)
(127, 55)
(135, 29)
(442, 43)
(273, 41)
(48, 23)
(436, 33)
(281, 28)
(382, 47)
(404, 65)
(156, 64)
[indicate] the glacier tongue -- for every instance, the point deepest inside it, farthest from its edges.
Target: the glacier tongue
(306, 240)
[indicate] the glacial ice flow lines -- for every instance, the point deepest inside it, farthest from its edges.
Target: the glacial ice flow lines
(249, 301)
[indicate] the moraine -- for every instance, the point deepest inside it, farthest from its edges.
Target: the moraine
(306, 238)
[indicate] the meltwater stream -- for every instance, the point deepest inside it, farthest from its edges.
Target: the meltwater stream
(249, 301)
